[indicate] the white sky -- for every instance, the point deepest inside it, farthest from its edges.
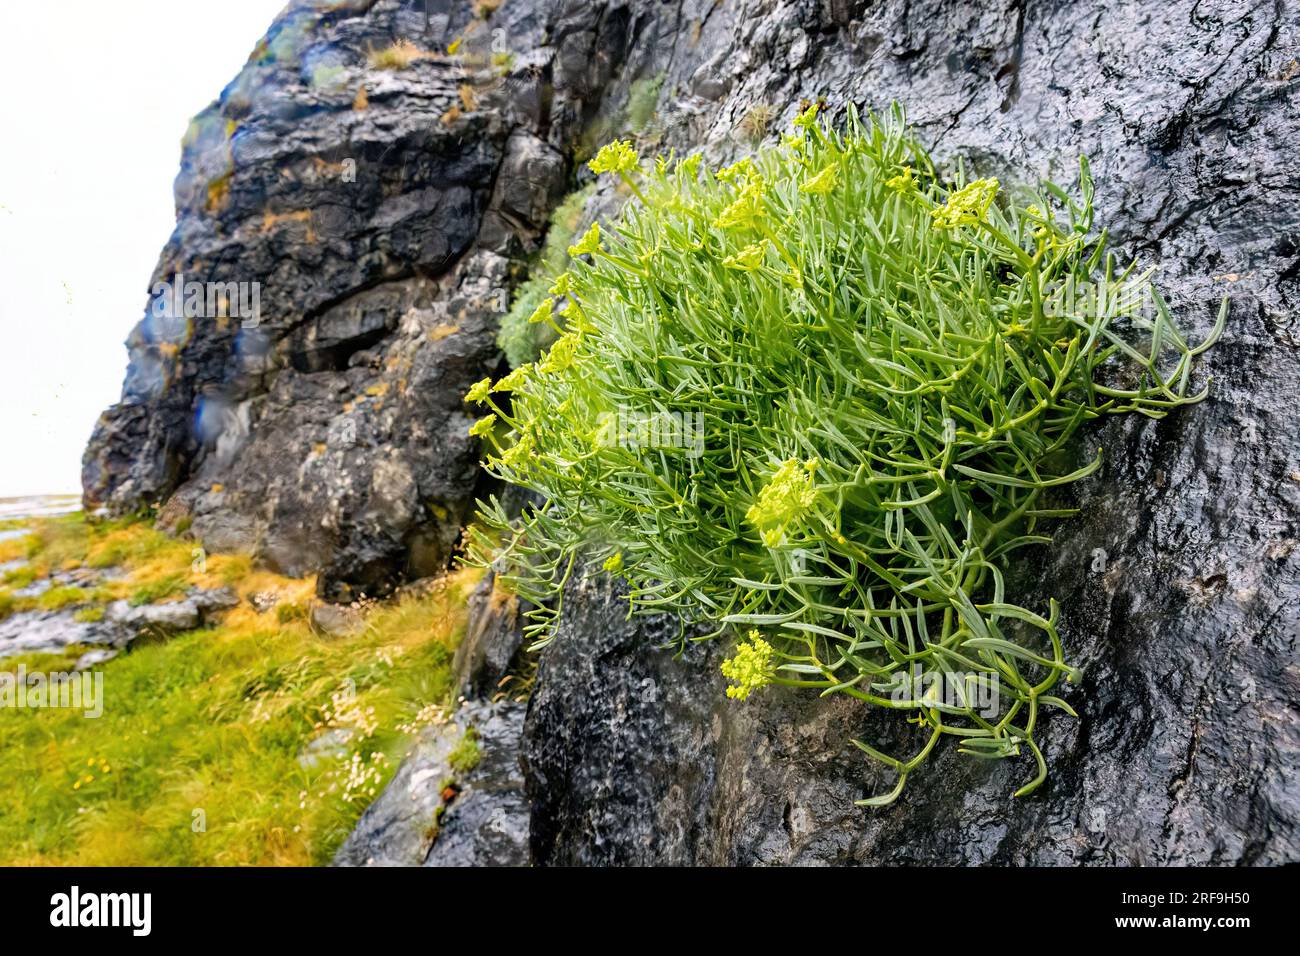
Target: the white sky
(94, 99)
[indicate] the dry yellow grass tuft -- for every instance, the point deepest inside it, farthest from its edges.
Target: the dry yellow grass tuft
(399, 56)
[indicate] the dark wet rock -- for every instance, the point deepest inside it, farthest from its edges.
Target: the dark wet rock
(1185, 751)
(633, 756)
(434, 815)
(157, 618)
(212, 600)
(492, 642)
(385, 221)
(201, 606)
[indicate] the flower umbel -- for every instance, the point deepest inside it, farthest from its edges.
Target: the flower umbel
(967, 205)
(514, 379)
(478, 392)
(482, 426)
(824, 182)
(747, 259)
(903, 182)
(784, 499)
(615, 157)
(519, 454)
(589, 243)
(560, 357)
(543, 312)
(747, 209)
(750, 668)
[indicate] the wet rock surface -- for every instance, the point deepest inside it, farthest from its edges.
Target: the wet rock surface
(433, 814)
(384, 221)
(332, 438)
(37, 631)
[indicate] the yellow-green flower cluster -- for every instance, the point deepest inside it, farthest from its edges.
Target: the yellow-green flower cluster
(749, 258)
(824, 182)
(967, 205)
(588, 244)
(561, 354)
(614, 563)
(903, 182)
(739, 172)
(750, 668)
(478, 392)
(785, 498)
(807, 119)
(518, 455)
(483, 426)
(615, 157)
(513, 380)
(543, 312)
(746, 210)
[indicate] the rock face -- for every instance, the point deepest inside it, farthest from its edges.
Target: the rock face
(382, 220)
(331, 436)
(433, 814)
(1179, 580)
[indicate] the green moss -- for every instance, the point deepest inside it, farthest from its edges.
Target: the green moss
(89, 615)
(642, 98)
(465, 756)
(61, 597)
(20, 577)
(521, 340)
(164, 587)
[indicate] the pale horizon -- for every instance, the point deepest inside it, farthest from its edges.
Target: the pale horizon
(86, 202)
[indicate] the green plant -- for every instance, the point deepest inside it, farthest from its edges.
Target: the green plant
(285, 613)
(89, 615)
(60, 597)
(642, 98)
(20, 577)
(521, 340)
(464, 757)
(163, 587)
(887, 375)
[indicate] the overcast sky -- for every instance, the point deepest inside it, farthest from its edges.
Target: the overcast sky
(96, 97)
